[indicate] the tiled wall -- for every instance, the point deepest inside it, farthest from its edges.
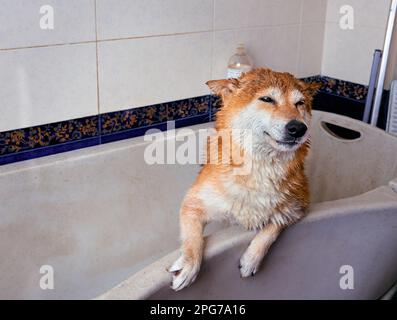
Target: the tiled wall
(348, 53)
(105, 56)
(283, 35)
(111, 69)
(391, 73)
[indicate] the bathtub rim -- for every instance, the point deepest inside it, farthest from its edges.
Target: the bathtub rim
(139, 140)
(92, 151)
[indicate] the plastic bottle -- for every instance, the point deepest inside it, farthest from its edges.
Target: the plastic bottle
(239, 62)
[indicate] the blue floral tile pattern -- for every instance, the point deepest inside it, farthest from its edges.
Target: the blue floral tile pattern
(48, 135)
(216, 104)
(117, 121)
(66, 135)
(188, 108)
(340, 88)
(199, 105)
(178, 109)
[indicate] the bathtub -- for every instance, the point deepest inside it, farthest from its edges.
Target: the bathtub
(106, 223)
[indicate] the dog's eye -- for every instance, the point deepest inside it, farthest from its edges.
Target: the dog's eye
(299, 103)
(267, 99)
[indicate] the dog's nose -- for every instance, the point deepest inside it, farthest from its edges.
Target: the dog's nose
(296, 128)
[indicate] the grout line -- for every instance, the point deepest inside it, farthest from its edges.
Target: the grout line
(155, 36)
(149, 36)
(323, 43)
(103, 40)
(212, 56)
(258, 26)
(356, 24)
(48, 45)
(97, 73)
(212, 38)
(298, 58)
(327, 9)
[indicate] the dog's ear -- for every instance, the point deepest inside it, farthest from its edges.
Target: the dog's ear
(223, 87)
(311, 87)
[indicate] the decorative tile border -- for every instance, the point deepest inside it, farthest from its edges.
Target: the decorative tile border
(44, 136)
(114, 122)
(216, 104)
(134, 122)
(38, 141)
(340, 88)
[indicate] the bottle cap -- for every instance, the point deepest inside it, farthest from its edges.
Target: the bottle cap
(240, 49)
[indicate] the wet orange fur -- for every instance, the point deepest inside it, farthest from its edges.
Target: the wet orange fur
(249, 88)
(291, 183)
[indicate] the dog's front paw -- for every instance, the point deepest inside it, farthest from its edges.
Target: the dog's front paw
(183, 273)
(249, 263)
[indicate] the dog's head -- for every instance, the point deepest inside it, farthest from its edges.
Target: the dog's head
(274, 106)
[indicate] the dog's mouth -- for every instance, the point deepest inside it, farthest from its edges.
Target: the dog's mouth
(285, 143)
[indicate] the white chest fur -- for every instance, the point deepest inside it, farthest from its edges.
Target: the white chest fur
(253, 200)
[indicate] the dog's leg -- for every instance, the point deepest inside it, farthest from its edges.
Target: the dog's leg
(186, 268)
(252, 257)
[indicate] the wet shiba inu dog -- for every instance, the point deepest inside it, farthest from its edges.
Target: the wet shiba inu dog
(276, 108)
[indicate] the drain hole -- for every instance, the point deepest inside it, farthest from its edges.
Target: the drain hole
(340, 132)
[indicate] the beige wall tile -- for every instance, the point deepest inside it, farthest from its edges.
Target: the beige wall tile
(43, 85)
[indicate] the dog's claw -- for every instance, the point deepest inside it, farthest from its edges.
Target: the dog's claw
(175, 267)
(183, 273)
(176, 273)
(249, 264)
